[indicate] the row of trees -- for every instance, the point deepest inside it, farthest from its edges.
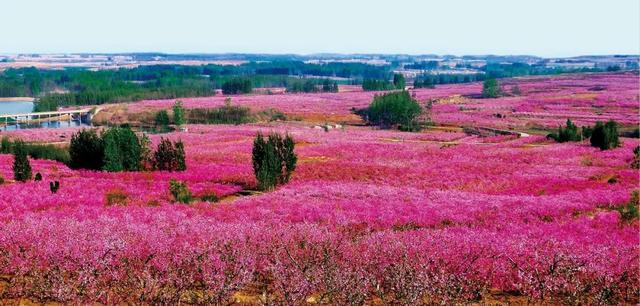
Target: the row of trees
(377, 85)
(237, 86)
(35, 82)
(120, 149)
(398, 82)
(311, 85)
(226, 114)
(431, 80)
(601, 135)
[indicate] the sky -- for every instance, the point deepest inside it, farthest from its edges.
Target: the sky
(550, 28)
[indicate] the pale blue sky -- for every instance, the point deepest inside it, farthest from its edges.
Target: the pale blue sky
(537, 27)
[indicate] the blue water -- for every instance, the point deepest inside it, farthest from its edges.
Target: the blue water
(19, 107)
(15, 107)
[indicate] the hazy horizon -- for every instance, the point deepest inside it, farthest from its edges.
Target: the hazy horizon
(497, 27)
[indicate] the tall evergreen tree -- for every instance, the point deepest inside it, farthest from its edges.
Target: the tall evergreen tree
(112, 155)
(605, 136)
(162, 118)
(274, 160)
(122, 150)
(178, 113)
(86, 150)
(21, 165)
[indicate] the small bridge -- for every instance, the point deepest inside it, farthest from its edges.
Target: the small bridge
(81, 115)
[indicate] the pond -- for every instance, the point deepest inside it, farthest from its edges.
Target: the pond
(23, 107)
(16, 107)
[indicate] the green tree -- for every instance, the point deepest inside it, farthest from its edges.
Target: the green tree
(112, 155)
(274, 160)
(86, 150)
(162, 118)
(122, 150)
(398, 81)
(169, 156)
(21, 166)
(491, 88)
(178, 113)
(146, 155)
(396, 108)
(605, 136)
(289, 157)
(236, 86)
(570, 133)
(369, 85)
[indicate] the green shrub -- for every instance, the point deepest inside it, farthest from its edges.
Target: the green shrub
(274, 160)
(269, 114)
(630, 211)
(122, 150)
(21, 165)
(169, 156)
(226, 114)
(116, 149)
(38, 177)
(605, 136)
(38, 151)
(116, 197)
(570, 133)
(48, 151)
(86, 150)
(179, 191)
(396, 108)
(162, 118)
(178, 113)
(491, 89)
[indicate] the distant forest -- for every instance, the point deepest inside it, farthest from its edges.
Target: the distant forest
(76, 86)
(55, 88)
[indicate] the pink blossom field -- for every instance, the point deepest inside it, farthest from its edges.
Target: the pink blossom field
(371, 217)
(544, 102)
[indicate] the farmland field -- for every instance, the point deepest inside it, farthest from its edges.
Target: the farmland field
(370, 216)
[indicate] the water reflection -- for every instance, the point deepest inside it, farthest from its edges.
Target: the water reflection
(52, 124)
(25, 107)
